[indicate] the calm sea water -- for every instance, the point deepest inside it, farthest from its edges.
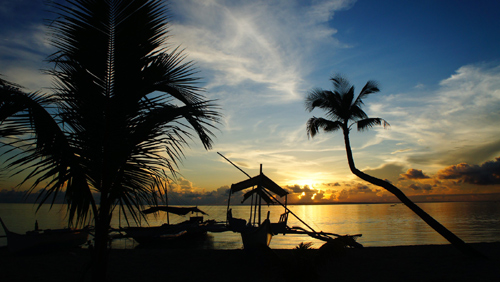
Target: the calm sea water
(380, 224)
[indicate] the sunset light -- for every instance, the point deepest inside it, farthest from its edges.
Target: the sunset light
(305, 183)
(440, 145)
(290, 140)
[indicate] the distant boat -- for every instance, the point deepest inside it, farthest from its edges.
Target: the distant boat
(45, 240)
(193, 228)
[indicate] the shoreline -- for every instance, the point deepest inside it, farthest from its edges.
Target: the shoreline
(398, 263)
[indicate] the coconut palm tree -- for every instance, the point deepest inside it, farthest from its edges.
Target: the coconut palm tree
(343, 111)
(123, 107)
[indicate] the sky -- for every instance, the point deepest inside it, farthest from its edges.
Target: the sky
(437, 62)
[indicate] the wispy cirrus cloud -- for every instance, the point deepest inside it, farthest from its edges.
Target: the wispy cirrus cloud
(256, 57)
(24, 43)
(257, 44)
(22, 55)
(457, 122)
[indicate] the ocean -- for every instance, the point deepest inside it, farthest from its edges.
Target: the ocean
(379, 224)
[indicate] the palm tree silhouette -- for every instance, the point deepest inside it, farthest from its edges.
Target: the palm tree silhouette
(123, 107)
(343, 110)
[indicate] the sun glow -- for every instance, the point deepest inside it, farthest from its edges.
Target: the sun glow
(305, 182)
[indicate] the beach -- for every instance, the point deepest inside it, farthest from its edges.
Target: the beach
(400, 263)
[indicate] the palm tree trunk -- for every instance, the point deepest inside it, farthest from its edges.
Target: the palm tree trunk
(434, 224)
(100, 252)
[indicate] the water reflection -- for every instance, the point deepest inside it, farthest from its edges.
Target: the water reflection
(380, 224)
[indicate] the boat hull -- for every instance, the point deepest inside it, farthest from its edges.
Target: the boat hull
(167, 233)
(45, 240)
(257, 237)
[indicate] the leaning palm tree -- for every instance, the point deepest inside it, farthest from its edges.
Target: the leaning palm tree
(123, 107)
(343, 111)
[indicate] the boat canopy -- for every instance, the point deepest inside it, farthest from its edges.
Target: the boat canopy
(261, 194)
(262, 180)
(175, 210)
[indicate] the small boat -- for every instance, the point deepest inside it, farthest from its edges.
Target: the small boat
(45, 240)
(256, 233)
(193, 228)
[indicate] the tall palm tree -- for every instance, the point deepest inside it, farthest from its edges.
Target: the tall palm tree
(343, 111)
(123, 107)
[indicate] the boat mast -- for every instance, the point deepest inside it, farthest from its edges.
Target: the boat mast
(260, 198)
(253, 210)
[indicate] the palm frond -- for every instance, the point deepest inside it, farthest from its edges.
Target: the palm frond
(370, 87)
(314, 124)
(367, 123)
(169, 74)
(340, 83)
(315, 98)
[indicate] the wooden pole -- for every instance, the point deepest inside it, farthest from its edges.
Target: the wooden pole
(234, 165)
(260, 198)
(227, 210)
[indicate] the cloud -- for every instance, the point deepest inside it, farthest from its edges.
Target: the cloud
(420, 86)
(453, 123)
(22, 53)
(486, 174)
(358, 193)
(297, 189)
(402, 151)
(304, 194)
(336, 184)
(218, 196)
(184, 192)
(420, 187)
(17, 196)
(184, 184)
(468, 153)
(262, 45)
(178, 196)
(413, 174)
(389, 171)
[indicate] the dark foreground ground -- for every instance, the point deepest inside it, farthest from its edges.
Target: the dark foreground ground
(406, 263)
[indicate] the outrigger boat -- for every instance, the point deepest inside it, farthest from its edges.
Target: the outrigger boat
(193, 228)
(259, 234)
(45, 240)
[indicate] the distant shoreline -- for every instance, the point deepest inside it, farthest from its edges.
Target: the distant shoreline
(15, 196)
(400, 263)
(296, 204)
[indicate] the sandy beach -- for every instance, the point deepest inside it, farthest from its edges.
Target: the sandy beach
(404, 263)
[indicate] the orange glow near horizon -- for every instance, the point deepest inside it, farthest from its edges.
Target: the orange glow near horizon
(303, 183)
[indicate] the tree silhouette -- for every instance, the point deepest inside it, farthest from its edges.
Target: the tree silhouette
(343, 111)
(122, 109)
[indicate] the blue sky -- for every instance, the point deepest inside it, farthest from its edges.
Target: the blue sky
(438, 64)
